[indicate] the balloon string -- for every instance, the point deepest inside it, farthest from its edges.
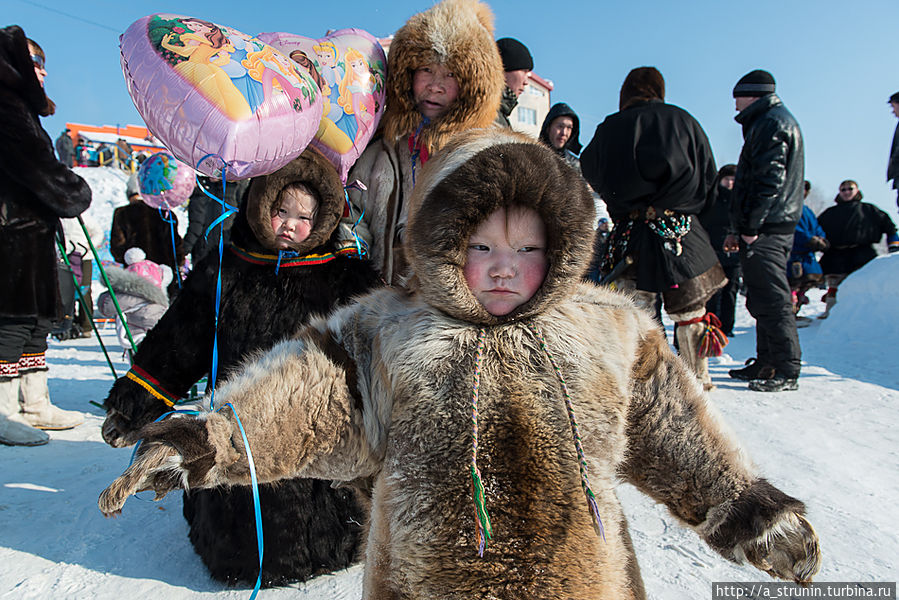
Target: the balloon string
(169, 218)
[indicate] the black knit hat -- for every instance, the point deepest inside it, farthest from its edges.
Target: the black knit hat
(754, 84)
(894, 98)
(515, 55)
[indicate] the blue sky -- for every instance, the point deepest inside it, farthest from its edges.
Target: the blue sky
(835, 62)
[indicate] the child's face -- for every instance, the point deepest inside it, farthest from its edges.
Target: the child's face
(292, 221)
(434, 89)
(506, 262)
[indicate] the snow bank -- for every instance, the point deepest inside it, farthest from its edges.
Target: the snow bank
(863, 328)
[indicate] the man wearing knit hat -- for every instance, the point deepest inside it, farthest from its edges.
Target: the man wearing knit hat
(893, 165)
(766, 206)
(517, 64)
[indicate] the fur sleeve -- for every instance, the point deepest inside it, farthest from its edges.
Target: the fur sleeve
(678, 450)
(302, 410)
(681, 454)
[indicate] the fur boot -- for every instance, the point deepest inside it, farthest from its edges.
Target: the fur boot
(830, 299)
(689, 336)
(34, 400)
(14, 431)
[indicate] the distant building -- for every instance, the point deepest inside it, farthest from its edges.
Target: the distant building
(533, 106)
(139, 137)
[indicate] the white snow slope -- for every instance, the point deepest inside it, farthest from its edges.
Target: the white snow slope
(834, 444)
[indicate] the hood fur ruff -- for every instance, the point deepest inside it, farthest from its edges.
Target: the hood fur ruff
(312, 169)
(478, 172)
(126, 282)
(459, 35)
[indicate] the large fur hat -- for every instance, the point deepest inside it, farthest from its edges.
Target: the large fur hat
(459, 35)
(17, 71)
(316, 172)
(476, 173)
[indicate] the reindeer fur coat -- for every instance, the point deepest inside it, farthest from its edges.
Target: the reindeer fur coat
(383, 388)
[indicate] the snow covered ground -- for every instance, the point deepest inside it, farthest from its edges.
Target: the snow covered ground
(833, 444)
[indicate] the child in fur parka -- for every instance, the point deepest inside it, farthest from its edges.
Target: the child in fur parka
(493, 407)
(444, 76)
(270, 286)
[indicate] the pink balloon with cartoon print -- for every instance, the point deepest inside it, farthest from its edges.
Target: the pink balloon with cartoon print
(165, 182)
(349, 66)
(217, 97)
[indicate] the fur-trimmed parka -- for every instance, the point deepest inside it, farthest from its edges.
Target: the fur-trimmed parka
(401, 384)
(459, 35)
(35, 188)
(309, 527)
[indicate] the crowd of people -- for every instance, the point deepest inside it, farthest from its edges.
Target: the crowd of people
(476, 314)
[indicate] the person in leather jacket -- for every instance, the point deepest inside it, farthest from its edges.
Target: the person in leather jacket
(767, 205)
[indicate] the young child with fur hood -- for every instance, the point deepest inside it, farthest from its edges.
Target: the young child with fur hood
(140, 291)
(444, 76)
(279, 269)
(498, 372)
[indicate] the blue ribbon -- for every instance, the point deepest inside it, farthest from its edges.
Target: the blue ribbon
(361, 246)
(417, 152)
(170, 219)
(285, 254)
(254, 483)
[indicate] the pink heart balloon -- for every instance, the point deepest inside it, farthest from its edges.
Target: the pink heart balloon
(349, 66)
(215, 96)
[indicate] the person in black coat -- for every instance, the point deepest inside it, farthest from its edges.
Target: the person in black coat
(267, 294)
(852, 228)
(767, 204)
(35, 191)
(138, 225)
(716, 221)
(893, 164)
(652, 164)
(561, 131)
(202, 211)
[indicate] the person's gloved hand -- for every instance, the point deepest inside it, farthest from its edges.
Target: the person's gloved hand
(818, 244)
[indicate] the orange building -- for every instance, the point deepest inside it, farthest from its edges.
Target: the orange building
(140, 138)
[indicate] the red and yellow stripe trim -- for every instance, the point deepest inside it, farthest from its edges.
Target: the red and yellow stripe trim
(259, 258)
(151, 384)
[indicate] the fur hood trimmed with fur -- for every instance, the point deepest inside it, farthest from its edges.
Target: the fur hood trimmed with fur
(459, 35)
(443, 204)
(315, 171)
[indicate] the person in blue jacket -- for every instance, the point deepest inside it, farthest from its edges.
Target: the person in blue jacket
(803, 270)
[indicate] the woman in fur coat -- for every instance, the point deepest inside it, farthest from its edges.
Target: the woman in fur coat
(548, 406)
(444, 75)
(267, 295)
(35, 191)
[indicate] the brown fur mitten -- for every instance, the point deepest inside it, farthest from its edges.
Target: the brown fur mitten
(766, 528)
(176, 453)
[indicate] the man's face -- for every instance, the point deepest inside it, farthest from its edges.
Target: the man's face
(434, 89)
(744, 101)
(560, 131)
(517, 80)
(895, 107)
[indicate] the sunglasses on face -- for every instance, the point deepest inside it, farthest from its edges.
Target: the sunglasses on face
(38, 61)
(849, 189)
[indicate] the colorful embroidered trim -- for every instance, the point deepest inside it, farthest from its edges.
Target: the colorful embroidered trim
(149, 383)
(258, 258)
(32, 362)
(9, 369)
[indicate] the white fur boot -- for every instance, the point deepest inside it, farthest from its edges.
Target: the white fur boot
(688, 340)
(34, 399)
(14, 431)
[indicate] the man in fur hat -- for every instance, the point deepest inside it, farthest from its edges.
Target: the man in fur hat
(652, 164)
(767, 204)
(444, 75)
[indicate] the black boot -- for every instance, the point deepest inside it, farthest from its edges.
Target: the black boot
(778, 382)
(749, 372)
